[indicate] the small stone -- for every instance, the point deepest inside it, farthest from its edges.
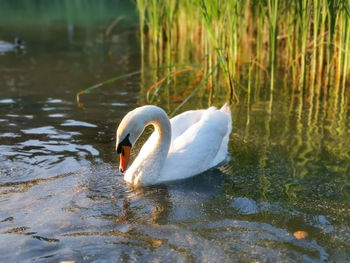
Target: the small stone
(300, 234)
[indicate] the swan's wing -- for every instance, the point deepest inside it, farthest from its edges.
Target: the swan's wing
(194, 150)
(180, 123)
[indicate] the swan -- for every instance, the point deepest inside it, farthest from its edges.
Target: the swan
(184, 146)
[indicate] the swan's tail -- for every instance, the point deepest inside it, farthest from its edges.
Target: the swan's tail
(223, 154)
(226, 109)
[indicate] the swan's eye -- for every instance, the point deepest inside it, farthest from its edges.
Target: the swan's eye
(124, 142)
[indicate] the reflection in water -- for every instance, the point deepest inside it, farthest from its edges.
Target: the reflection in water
(77, 123)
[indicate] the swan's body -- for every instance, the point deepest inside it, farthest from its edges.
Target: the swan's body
(184, 146)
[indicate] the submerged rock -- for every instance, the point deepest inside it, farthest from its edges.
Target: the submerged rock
(245, 206)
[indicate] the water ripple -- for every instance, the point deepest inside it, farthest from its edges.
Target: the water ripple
(78, 123)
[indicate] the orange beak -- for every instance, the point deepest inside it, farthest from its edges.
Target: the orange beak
(124, 158)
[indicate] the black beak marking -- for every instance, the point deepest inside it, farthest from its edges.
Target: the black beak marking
(124, 142)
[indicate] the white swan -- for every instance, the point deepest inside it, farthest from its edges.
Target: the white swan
(188, 144)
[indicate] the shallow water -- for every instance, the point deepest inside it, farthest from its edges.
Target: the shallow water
(61, 197)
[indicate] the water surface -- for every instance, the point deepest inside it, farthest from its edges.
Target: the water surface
(61, 197)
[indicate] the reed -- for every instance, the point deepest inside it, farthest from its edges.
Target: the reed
(305, 40)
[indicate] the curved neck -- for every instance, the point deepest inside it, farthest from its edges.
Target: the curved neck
(146, 168)
(162, 131)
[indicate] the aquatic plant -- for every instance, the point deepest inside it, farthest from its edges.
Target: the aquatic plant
(307, 41)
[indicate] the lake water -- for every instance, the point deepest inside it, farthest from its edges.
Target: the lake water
(62, 198)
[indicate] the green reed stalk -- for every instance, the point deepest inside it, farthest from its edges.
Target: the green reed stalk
(346, 41)
(304, 18)
(260, 13)
(273, 17)
(322, 39)
(333, 7)
(291, 47)
(316, 26)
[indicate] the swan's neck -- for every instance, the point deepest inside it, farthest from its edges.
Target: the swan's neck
(146, 168)
(159, 151)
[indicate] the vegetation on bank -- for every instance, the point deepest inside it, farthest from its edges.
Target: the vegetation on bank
(305, 41)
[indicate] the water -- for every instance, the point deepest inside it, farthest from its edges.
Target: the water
(61, 197)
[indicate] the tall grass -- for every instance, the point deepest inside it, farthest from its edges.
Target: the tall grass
(306, 41)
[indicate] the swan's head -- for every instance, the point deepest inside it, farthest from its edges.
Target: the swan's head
(129, 130)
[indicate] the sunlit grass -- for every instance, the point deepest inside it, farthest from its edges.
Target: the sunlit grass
(305, 40)
(101, 84)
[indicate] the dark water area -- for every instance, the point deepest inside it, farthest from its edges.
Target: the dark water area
(62, 198)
